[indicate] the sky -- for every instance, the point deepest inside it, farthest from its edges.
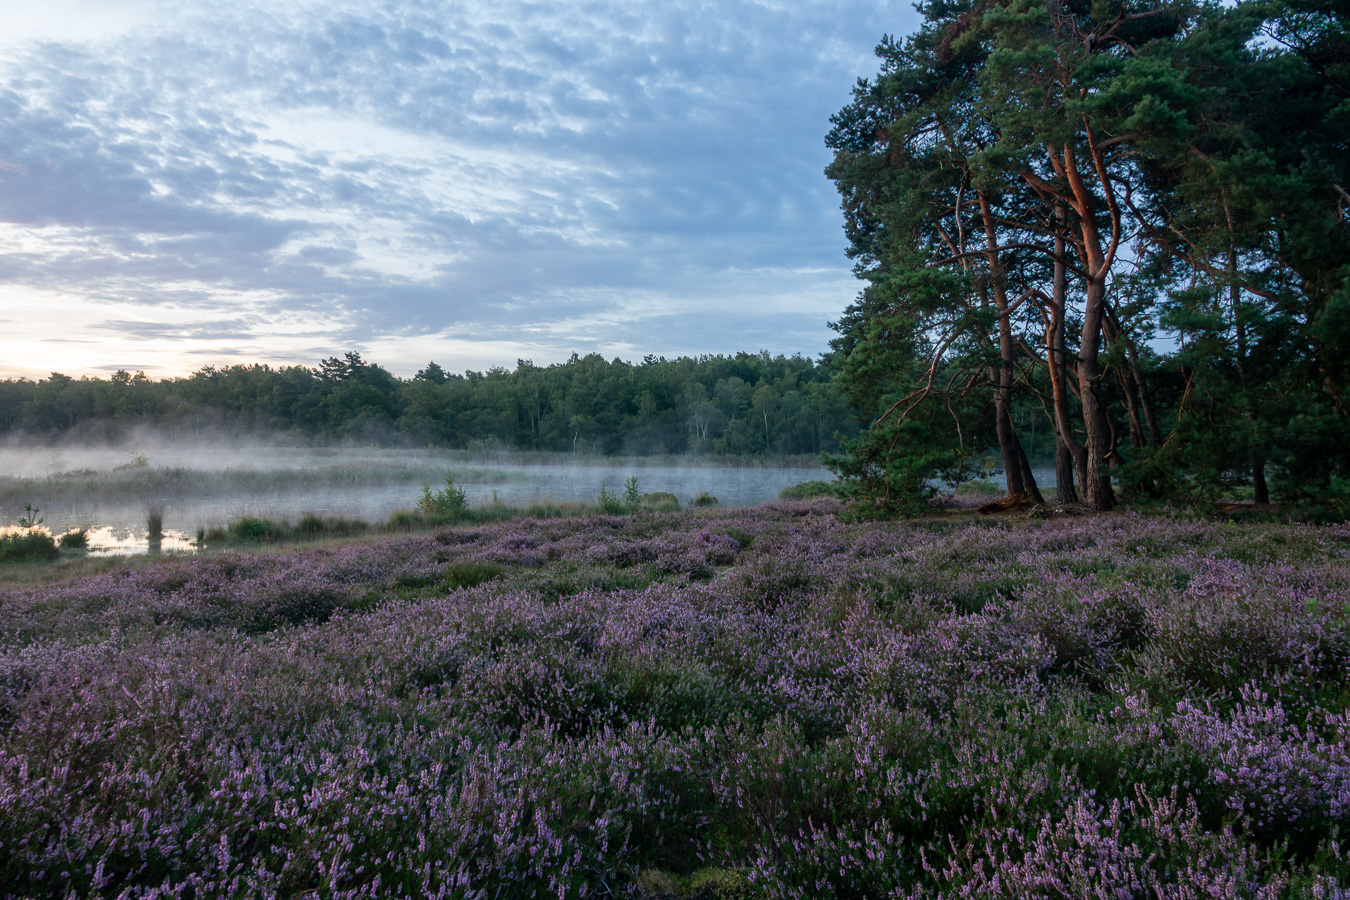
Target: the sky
(188, 183)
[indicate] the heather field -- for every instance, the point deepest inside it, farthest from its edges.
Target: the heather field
(763, 702)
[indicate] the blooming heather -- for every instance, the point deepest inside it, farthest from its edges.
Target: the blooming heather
(770, 702)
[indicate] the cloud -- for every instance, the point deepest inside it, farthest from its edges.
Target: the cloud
(407, 168)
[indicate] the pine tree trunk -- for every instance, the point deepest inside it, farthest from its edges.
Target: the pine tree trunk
(1097, 492)
(1095, 480)
(1029, 486)
(1008, 444)
(1064, 473)
(1069, 454)
(1014, 460)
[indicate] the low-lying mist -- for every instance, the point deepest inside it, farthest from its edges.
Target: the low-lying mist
(109, 488)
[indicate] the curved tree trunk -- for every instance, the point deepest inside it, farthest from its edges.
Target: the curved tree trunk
(1015, 464)
(1069, 454)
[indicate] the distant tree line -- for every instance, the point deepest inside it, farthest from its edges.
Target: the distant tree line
(740, 405)
(1125, 220)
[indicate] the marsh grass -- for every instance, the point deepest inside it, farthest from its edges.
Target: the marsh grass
(810, 490)
(140, 483)
(407, 520)
(154, 521)
(263, 530)
(660, 501)
(676, 460)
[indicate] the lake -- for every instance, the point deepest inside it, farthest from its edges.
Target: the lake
(110, 491)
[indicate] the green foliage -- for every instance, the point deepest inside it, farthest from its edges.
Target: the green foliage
(996, 133)
(251, 529)
(660, 501)
(703, 499)
(740, 405)
(891, 470)
(30, 517)
(75, 539)
(448, 504)
(978, 489)
(312, 525)
(154, 521)
(610, 503)
(809, 490)
(30, 545)
(468, 574)
(256, 530)
(632, 497)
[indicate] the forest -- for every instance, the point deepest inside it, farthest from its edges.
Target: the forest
(1124, 222)
(747, 404)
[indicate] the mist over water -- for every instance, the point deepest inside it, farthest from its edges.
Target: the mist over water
(108, 490)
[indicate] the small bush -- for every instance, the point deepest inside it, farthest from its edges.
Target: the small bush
(809, 490)
(660, 501)
(740, 536)
(406, 520)
(75, 539)
(469, 574)
(31, 544)
(310, 524)
(979, 488)
(253, 529)
(703, 499)
(313, 526)
(720, 884)
(446, 505)
(609, 502)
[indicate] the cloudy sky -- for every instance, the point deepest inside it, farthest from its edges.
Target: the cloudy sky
(185, 183)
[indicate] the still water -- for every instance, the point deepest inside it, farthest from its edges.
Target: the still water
(118, 526)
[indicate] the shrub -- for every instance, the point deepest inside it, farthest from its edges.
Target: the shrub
(32, 544)
(610, 503)
(660, 501)
(703, 499)
(313, 526)
(447, 504)
(154, 521)
(980, 488)
(254, 529)
(469, 574)
(809, 490)
(75, 539)
(406, 520)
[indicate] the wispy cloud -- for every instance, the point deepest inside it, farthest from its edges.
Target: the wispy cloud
(409, 169)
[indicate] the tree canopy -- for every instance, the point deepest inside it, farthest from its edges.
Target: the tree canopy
(746, 404)
(1125, 219)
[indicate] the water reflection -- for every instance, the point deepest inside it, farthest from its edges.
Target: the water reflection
(119, 526)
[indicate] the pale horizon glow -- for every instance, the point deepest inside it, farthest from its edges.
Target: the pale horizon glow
(186, 184)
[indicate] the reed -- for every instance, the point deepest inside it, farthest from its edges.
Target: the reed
(129, 483)
(154, 521)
